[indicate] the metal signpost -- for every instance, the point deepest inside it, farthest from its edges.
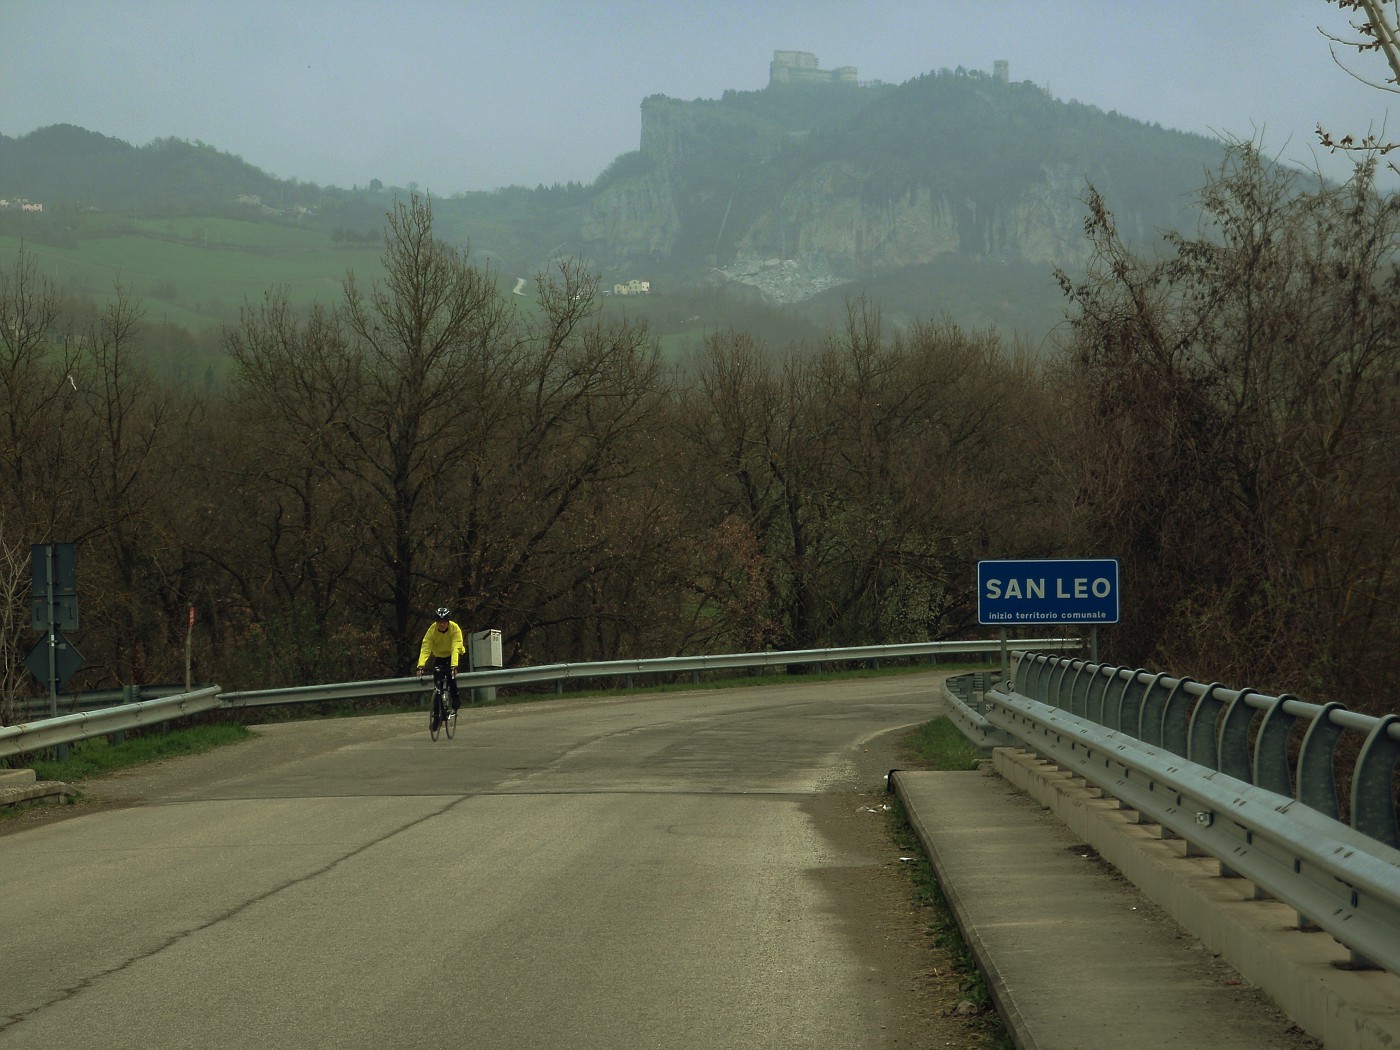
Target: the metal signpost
(1059, 591)
(53, 609)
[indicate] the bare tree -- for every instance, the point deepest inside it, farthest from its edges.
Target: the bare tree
(730, 419)
(300, 546)
(420, 340)
(553, 510)
(373, 395)
(14, 619)
(1377, 30)
(129, 423)
(1234, 411)
(844, 488)
(37, 394)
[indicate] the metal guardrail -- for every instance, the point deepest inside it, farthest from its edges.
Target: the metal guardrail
(671, 665)
(65, 729)
(967, 707)
(34, 707)
(31, 736)
(1224, 770)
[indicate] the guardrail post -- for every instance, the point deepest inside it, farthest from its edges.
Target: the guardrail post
(1176, 712)
(1360, 962)
(1234, 738)
(1372, 780)
(1127, 713)
(1028, 675)
(1271, 747)
(1153, 704)
(1055, 687)
(1202, 744)
(1094, 697)
(1079, 689)
(130, 695)
(1317, 778)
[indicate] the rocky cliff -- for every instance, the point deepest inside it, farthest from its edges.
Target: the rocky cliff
(796, 193)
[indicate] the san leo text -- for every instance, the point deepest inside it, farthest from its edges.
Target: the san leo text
(1080, 587)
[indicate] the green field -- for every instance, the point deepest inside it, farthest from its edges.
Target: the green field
(198, 272)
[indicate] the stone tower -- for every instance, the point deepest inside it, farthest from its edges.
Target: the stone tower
(800, 67)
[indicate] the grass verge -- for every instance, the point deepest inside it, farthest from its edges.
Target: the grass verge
(940, 745)
(98, 755)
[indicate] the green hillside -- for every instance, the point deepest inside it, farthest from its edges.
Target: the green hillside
(834, 181)
(197, 272)
(196, 282)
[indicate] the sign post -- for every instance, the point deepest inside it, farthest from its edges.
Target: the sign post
(1048, 591)
(53, 608)
(189, 635)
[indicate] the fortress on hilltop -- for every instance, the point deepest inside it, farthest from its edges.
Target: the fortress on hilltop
(800, 67)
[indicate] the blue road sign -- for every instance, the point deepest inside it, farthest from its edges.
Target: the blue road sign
(55, 597)
(1047, 591)
(66, 659)
(56, 560)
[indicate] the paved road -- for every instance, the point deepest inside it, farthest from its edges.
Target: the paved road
(592, 874)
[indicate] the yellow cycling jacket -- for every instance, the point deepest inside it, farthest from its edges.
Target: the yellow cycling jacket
(442, 643)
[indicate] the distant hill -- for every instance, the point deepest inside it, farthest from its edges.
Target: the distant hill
(69, 167)
(959, 178)
(955, 192)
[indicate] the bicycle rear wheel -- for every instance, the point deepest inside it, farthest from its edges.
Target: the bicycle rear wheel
(449, 720)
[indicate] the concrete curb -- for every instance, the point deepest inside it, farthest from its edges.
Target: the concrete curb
(20, 785)
(1304, 973)
(1075, 957)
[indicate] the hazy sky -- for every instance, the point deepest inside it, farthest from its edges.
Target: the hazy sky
(464, 95)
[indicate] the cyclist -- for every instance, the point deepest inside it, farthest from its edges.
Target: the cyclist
(442, 643)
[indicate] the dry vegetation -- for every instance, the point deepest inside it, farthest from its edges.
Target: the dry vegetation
(1221, 419)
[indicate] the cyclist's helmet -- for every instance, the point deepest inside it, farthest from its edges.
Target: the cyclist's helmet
(444, 613)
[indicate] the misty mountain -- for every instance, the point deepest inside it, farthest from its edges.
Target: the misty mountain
(70, 168)
(954, 192)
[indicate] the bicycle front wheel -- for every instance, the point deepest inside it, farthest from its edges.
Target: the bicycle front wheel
(435, 717)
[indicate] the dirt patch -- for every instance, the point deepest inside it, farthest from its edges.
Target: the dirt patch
(28, 815)
(892, 930)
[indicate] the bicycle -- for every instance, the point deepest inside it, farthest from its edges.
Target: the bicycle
(441, 716)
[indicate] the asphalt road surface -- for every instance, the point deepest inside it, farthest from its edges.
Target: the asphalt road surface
(604, 873)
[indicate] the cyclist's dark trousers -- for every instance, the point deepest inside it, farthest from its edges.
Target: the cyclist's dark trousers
(446, 661)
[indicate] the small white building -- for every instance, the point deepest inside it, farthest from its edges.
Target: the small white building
(632, 288)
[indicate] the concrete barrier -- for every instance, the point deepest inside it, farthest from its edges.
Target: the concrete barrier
(1307, 974)
(21, 785)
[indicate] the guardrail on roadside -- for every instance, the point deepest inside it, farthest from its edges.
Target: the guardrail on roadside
(967, 708)
(1224, 770)
(32, 707)
(65, 729)
(627, 669)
